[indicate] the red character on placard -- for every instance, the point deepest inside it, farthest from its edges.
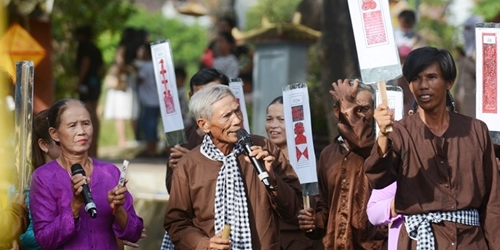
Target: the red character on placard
(368, 5)
(300, 141)
(167, 96)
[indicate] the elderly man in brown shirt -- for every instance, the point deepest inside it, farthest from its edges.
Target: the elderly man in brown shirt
(443, 162)
(340, 218)
(214, 184)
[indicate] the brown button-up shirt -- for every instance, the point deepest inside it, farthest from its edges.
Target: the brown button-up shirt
(448, 173)
(343, 196)
(189, 218)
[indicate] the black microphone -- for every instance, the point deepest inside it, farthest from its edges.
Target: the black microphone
(90, 207)
(246, 142)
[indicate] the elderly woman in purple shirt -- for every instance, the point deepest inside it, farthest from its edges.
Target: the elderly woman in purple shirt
(57, 206)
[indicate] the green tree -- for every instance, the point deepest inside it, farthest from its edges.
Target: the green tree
(487, 8)
(277, 11)
(188, 41)
(109, 15)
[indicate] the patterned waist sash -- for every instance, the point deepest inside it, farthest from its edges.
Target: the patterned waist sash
(419, 225)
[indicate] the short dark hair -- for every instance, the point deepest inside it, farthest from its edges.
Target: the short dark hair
(207, 75)
(421, 58)
(408, 16)
(278, 99)
(180, 71)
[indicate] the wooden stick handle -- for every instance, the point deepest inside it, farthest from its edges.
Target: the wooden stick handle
(307, 205)
(226, 231)
(383, 98)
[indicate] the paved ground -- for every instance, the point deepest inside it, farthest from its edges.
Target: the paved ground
(147, 184)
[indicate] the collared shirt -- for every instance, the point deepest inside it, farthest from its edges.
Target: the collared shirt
(452, 172)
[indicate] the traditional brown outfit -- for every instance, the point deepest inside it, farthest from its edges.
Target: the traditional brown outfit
(193, 140)
(189, 218)
(13, 222)
(343, 195)
(436, 174)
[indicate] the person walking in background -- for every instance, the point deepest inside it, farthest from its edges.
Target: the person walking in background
(340, 218)
(57, 206)
(180, 78)
(465, 88)
(405, 34)
(292, 237)
(90, 66)
(150, 104)
(444, 164)
(226, 61)
(121, 97)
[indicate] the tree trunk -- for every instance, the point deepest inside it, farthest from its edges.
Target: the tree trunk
(336, 52)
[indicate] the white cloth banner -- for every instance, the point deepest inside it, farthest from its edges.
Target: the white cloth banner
(377, 51)
(299, 134)
(487, 74)
(236, 86)
(170, 107)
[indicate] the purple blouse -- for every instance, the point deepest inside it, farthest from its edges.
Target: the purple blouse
(54, 225)
(379, 213)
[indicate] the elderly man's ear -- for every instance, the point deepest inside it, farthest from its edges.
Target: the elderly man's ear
(336, 111)
(203, 124)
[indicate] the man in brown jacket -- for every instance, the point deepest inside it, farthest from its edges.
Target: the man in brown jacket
(215, 185)
(340, 218)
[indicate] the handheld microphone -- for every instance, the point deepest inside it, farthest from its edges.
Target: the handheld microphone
(90, 207)
(246, 142)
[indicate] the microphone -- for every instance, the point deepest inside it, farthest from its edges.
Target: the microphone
(246, 142)
(90, 207)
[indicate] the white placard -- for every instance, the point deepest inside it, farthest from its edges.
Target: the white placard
(236, 86)
(488, 74)
(171, 113)
(299, 134)
(395, 102)
(377, 51)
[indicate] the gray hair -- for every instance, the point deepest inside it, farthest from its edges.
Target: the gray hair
(201, 102)
(361, 86)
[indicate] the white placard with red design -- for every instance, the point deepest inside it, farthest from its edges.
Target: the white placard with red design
(299, 133)
(170, 107)
(487, 74)
(377, 51)
(236, 86)
(394, 101)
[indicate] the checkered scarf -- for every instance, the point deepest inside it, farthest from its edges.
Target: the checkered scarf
(230, 197)
(419, 228)
(167, 244)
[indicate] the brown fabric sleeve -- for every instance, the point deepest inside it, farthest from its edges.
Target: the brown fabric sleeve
(179, 216)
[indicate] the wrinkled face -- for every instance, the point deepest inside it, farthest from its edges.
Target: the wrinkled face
(225, 122)
(429, 88)
(75, 131)
(275, 124)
